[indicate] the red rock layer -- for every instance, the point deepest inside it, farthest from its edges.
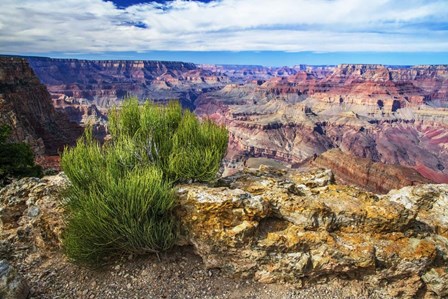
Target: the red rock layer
(372, 176)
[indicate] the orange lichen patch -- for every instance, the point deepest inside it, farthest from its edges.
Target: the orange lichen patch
(423, 249)
(259, 187)
(410, 248)
(287, 239)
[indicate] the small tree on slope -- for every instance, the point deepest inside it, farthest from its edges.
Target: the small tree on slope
(16, 159)
(121, 197)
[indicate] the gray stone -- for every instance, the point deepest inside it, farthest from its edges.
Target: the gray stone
(12, 285)
(33, 211)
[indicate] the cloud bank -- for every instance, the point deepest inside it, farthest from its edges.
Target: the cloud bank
(89, 26)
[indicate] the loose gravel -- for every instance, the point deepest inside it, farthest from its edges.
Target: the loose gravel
(175, 274)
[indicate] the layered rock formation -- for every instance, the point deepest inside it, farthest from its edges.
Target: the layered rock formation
(26, 106)
(274, 226)
(373, 176)
(300, 228)
(390, 115)
(104, 82)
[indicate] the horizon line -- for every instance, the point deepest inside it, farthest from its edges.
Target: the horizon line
(55, 56)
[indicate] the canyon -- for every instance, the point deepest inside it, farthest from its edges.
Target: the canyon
(328, 175)
(390, 115)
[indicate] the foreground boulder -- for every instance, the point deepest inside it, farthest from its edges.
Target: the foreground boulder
(299, 227)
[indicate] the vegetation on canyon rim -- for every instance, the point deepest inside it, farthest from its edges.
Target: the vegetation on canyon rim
(121, 197)
(16, 159)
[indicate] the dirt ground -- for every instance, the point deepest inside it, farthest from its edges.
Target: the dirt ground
(178, 273)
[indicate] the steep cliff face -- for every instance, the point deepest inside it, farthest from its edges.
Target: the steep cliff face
(105, 82)
(374, 112)
(376, 86)
(26, 106)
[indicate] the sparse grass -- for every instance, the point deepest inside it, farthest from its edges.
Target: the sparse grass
(122, 196)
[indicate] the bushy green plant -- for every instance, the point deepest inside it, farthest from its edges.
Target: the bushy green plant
(122, 196)
(16, 159)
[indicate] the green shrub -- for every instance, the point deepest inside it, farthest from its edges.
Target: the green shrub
(122, 196)
(16, 159)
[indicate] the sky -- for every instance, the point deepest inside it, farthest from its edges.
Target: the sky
(264, 32)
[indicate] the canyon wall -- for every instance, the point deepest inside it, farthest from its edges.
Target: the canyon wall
(389, 115)
(373, 176)
(104, 82)
(26, 106)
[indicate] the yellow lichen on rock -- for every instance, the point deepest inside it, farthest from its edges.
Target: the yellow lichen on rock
(300, 227)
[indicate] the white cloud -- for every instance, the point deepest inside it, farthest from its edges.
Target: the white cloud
(235, 25)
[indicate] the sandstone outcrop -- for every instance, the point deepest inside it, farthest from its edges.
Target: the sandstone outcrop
(31, 216)
(301, 228)
(26, 106)
(31, 223)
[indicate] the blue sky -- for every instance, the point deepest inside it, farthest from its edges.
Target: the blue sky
(268, 32)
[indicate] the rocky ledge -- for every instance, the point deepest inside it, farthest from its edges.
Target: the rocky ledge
(272, 226)
(302, 228)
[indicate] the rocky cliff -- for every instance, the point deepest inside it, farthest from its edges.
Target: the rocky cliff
(103, 82)
(378, 86)
(270, 226)
(26, 106)
(372, 176)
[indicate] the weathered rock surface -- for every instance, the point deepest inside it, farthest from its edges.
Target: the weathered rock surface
(31, 217)
(299, 227)
(274, 226)
(26, 106)
(12, 285)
